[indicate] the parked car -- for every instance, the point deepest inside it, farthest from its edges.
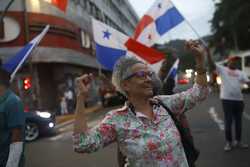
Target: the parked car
(38, 124)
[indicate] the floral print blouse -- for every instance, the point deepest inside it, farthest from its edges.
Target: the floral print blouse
(146, 142)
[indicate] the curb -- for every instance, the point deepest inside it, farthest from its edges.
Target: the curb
(58, 126)
(94, 110)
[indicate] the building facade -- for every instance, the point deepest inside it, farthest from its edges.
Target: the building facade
(66, 51)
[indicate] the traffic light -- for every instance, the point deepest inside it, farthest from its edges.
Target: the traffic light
(27, 83)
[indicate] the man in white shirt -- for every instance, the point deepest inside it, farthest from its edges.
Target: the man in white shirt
(232, 98)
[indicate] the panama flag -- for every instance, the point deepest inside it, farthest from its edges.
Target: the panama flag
(173, 71)
(112, 44)
(161, 17)
(15, 63)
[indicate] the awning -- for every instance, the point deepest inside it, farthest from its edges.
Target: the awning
(54, 55)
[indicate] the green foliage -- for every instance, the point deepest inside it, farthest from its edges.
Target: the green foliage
(231, 21)
(175, 49)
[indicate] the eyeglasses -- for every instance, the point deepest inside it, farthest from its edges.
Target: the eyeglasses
(141, 74)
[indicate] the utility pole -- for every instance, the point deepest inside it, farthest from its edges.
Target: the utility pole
(32, 68)
(26, 22)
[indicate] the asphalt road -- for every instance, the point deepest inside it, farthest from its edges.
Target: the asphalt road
(206, 121)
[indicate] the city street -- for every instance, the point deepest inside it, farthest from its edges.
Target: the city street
(207, 125)
(55, 54)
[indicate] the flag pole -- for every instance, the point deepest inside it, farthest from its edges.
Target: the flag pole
(196, 33)
(190, 25)
(40, 36)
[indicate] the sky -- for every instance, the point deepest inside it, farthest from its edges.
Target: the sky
(197, 12)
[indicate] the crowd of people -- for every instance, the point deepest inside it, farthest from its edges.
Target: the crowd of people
(151, 128)
(103, 92)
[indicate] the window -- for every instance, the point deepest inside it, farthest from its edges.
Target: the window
(72, 7)
(1, 29)
(86, 43)
(88, 6)
(108, 21)
(92, 8)
(83, 4)
(79, 10)
(96, 11)
(120, 2)
(99, 14)
(108, 2)
(9, 30)
(105, 19)
(247, 61)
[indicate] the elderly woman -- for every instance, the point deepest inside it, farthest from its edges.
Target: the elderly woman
(144, 130)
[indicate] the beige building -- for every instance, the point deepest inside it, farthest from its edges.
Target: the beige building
(67, 49)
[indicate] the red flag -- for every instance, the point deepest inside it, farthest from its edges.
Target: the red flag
(151, 55)
(61, 4)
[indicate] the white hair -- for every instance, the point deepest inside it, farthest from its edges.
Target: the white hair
(122, 70)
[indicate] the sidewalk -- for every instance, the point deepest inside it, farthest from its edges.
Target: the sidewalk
(64, 120)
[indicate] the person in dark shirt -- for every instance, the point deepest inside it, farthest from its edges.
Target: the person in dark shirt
(168, 83)
(12, 123)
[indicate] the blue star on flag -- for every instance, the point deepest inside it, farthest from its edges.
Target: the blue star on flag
(106, 34)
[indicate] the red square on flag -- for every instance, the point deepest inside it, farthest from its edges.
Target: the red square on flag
(61, 4)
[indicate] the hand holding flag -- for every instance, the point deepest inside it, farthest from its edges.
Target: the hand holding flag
(197, 49)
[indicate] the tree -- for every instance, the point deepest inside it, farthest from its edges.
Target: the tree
(175, 49)
(231, 22)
